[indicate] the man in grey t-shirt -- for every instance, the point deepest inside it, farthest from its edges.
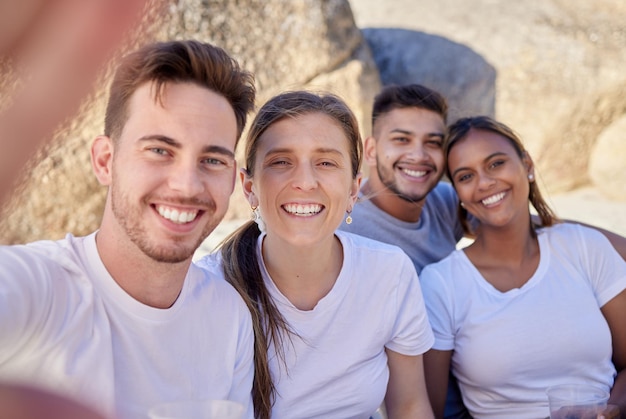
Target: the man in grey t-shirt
(404, 201)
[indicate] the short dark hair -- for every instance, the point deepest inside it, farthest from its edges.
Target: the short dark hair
(178, 62)
(409, 96)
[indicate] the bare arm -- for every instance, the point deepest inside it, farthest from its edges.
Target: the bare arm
(436, 370)
(615, 313)
(406, 392)
(60, 47)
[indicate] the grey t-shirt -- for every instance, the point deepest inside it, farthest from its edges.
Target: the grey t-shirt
(428, 240)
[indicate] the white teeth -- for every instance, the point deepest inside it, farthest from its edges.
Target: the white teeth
(493, 198)
(414, 173)
(176, 216)
(303, 210)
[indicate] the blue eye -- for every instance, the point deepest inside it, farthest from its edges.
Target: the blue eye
(213, 161)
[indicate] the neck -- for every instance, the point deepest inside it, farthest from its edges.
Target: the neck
(506, 244)
(375, 191)
(153, 283)
(303, 274)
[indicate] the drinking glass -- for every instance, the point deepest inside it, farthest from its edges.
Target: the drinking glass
(576, 401)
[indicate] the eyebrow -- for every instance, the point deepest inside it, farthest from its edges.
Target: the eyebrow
(489, 157)
(406, 132)
(290, 150)
(176, 144)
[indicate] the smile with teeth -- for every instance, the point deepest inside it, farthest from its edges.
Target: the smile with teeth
(177, 216)
(303, 210)
(493, 198)
(414, 173)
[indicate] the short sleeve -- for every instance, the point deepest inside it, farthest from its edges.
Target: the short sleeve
(604, 266)
(412, 334)
(439, 306)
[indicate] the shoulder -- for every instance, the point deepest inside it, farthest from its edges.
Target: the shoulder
(42, 256)
(210, 274)
(371, 260)
(367, 245)
(570, 233)
(445, 268)
(442, 202)
(443, 192)
(211, 263)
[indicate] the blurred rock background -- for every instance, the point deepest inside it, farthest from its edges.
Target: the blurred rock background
(553, 70)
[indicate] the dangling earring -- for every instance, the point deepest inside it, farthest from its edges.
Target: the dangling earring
(256, 216)
(349, 217)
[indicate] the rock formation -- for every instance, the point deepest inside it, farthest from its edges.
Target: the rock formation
(287, 44)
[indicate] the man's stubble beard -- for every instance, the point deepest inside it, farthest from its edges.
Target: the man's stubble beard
(136, 232)
(390, 183)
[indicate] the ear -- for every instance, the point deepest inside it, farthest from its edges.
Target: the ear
(528, 164)
(369, 151)
(102, 159)
(354, 190)
(247, 186)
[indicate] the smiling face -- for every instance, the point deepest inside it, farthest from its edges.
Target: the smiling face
(302, 180)
(405, 155)
(491, 178)
(170, 173)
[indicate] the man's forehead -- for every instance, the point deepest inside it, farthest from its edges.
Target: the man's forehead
(409, 119)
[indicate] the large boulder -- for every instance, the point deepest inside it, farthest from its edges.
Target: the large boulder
(288, 45)
(607, 163)
(553, 59)
(465, 78)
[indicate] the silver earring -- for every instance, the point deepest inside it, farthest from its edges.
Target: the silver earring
(531, 177)
(349, 218)
(462, 204)
(256, 216)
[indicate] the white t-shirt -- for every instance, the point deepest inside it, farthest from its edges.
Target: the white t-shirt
(66, 325)
(337, 368)
(509, 347)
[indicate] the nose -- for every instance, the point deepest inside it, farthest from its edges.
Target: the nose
(417, 153)
(485, 181)
(185, 178)
(304, 177)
